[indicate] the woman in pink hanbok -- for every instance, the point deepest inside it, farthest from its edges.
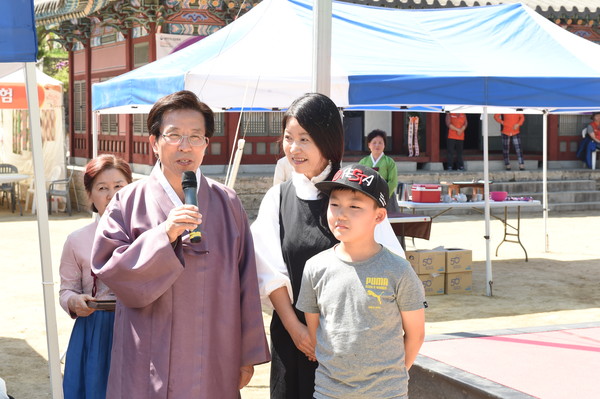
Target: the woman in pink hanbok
(88, 353)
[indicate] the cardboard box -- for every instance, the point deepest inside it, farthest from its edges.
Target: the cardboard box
(459, 283)
(426, 192)
(427, 261)
(458, 260)
(433, 283)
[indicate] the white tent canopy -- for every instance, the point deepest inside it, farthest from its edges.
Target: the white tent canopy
(496, 56)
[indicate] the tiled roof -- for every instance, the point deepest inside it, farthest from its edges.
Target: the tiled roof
(588, 9)
(52, 11)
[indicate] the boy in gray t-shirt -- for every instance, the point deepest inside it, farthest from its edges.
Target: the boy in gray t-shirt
(364, 305)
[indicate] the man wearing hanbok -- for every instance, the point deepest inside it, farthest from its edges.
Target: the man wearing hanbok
(188, 322)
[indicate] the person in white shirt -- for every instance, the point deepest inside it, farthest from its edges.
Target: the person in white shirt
(283, 171)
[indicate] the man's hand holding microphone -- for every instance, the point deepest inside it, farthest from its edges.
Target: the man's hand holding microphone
(185, 217)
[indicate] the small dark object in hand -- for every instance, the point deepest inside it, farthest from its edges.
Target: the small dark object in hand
(108, 304)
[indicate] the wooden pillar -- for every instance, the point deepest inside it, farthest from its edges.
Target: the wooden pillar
(432, 133)
(129, 117)
(231, 123)
(88, 95)
(397, 132)
(71, 104)
(152, 44)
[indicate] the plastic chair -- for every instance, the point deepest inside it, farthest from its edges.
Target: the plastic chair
(30, 192)
(7, 189)
(59, 188)
(594, 153)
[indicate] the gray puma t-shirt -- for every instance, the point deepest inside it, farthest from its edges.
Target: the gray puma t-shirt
(360, 346)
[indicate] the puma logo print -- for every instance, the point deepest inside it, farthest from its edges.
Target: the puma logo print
(371, 293)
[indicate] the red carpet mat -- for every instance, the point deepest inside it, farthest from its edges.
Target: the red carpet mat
(555, 364)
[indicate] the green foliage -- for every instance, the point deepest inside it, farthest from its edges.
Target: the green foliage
(54, 58)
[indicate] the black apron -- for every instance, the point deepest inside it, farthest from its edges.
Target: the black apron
(304, 233)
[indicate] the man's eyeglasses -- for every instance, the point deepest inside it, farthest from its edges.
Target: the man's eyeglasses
(194, 140)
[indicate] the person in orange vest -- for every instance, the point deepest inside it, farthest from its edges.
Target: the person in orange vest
(511, 127)
(457, 123)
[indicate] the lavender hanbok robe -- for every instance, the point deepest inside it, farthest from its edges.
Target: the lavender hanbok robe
(188, 317)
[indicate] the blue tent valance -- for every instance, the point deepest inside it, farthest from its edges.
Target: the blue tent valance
(18, 40)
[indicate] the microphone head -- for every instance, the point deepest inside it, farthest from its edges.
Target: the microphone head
(188, 179)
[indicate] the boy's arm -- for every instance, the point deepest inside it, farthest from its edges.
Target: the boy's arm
(312, 322)
(413, 324)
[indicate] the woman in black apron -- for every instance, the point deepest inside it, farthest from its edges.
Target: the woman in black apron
(290, 229)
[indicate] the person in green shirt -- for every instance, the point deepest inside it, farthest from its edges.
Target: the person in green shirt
(383, 164)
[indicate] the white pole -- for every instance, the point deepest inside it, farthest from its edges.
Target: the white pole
(321, 79)
(545, 177)
(486, 195)
(43, 231)
(95, 134)
(236, 163)
(233, 153)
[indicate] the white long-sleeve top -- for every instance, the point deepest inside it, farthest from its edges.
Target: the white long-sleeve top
(271, 268)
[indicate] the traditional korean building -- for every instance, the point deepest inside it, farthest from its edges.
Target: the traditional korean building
(106, 38)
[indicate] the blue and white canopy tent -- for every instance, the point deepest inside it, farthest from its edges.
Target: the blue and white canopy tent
(18, 49)
(504, 58)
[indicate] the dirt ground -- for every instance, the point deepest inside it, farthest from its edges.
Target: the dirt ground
(555, 287)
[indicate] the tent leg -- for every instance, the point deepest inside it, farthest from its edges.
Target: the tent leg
(43, 232)
(486, 196)
(236, 163)
(321, 79)
(545, 178)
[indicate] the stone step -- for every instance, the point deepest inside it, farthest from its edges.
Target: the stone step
(566, 196)
(563, 195)
(432, 379)
(424, 176)
(537, 186)
(574, 206)
(499, 165)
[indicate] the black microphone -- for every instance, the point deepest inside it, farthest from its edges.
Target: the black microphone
(189, 185)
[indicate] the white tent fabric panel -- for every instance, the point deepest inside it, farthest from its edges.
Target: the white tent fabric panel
(498, 56)
(52, 119)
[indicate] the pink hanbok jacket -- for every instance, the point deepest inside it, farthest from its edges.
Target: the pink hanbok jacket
(75, 269)
(188, 316)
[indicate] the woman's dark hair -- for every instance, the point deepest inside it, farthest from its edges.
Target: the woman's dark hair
(100, 164)
(377, 133)
(180, 100)
(320, 117)
(594, 114)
